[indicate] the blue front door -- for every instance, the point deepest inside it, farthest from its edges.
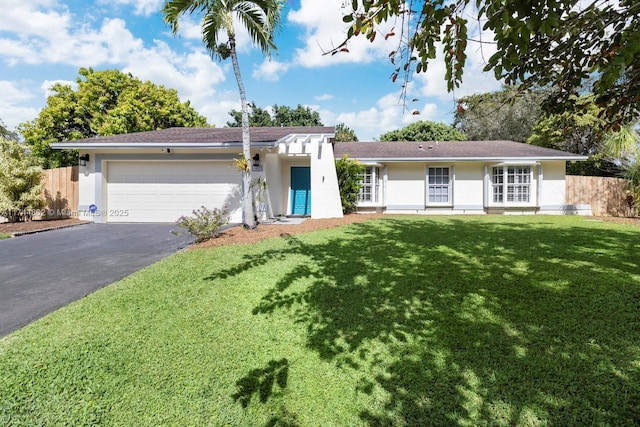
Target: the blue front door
(300, 190)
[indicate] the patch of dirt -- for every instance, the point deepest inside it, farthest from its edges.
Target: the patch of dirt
(240, 235)
(34, 226)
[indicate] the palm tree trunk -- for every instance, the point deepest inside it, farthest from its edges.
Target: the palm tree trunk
(248, 217)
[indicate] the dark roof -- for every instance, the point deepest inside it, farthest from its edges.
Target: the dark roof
(207, 135)
(447, 150)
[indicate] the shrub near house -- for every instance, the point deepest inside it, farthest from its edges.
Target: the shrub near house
(20, 182)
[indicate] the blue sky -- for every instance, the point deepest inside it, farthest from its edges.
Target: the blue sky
(47, 41)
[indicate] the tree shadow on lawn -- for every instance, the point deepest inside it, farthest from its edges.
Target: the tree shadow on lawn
(262, 382)
(470, 322)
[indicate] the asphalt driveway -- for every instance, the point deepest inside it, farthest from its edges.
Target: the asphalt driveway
(42, 272)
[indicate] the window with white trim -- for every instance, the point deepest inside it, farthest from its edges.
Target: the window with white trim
(512, 182)
(370, 185)
(439, 185)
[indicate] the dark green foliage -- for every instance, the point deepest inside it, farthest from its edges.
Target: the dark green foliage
(204, 223)
(345, 134)
(632, 173)
(282, 116)
(258, 117)
(507, 114)
(424, 131)
(349, 182)
(106, 102)
(580, 131)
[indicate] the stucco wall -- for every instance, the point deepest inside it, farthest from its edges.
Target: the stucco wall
(325, 194)
(553, 184)
(273, 174)
(405, 186)
(468, 185)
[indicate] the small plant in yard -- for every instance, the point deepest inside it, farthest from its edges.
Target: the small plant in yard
(204, 223)
(4, 236)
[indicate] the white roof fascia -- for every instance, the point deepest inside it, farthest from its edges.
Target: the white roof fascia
(134, 145)
(506, 160)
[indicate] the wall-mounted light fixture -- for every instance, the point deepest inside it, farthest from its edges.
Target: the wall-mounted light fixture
(256, 160)
(83, 160)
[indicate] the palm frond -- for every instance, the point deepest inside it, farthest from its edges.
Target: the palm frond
(174, 9)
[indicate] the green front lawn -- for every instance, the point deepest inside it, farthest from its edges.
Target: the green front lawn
(402, 321)
(4, 236)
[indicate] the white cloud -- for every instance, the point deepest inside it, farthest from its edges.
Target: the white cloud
(142, 7)
(270, 70)
(193, 75)
(25, 18)
(12, 108)
(190, 28)
(323, 97)
(386, 115)
(325, 30)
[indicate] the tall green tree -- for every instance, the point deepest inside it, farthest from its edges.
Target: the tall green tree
(105, 102)
(6, 133)
(282, 116)
(424, 131)
(260, 18)
(561, 43)
(20, 181)
(624, 147)
(299, 116)
(581, 131)
(507, 114)
(345, 134)
(258, 117)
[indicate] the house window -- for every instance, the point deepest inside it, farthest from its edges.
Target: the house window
(439, 185)
(370, 185)
(512, 182)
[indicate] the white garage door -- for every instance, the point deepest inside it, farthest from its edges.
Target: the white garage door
(164, 191)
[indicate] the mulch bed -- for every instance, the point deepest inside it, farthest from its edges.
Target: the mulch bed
(35, 226)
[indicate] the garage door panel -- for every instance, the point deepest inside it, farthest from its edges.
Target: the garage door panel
(164, 191)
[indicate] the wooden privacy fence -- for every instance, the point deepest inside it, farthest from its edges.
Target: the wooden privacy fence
(61, 192)
(606, 196)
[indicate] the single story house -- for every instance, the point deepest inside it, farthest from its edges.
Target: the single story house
(461, 177)
(158, 176)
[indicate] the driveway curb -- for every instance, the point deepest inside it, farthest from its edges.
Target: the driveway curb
(42, 230)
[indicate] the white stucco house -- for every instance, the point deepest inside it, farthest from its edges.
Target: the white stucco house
(158, 176)
(461, 177)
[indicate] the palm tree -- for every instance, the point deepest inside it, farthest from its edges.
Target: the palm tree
(624, 147)
(260, 18)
